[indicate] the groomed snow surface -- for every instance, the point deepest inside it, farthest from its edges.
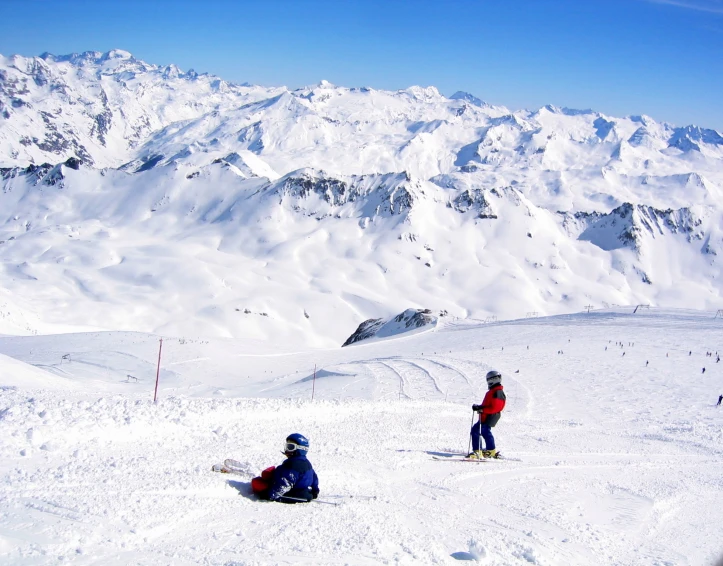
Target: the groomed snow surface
(611, 460)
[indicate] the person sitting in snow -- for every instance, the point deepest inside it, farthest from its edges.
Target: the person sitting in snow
(294, 481)
(489, 415)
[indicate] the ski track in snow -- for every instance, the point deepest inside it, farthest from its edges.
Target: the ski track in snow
(618, 463)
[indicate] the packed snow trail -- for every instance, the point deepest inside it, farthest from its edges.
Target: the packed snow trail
(619, 463)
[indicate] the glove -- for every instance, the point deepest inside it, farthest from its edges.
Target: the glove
(476, 408)
(314, 493)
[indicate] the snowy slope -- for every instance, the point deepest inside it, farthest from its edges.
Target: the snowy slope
(611, 419)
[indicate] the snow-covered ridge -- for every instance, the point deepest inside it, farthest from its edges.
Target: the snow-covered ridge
(101, 106)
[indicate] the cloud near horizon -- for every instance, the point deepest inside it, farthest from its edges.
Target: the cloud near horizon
(710, 6)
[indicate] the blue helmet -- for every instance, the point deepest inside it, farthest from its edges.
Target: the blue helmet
(296, 443)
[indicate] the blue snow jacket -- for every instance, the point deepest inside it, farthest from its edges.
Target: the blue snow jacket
(295, 479)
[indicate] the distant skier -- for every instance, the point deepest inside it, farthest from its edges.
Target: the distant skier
(489, 415)
(720, 398)
(294, 481)
(703, 371)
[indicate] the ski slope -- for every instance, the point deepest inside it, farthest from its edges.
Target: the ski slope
(616, 461)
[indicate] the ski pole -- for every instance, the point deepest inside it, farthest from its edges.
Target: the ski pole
(469, 447)
(308, 501)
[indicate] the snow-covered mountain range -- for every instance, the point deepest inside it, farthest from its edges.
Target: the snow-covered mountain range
(145, 198)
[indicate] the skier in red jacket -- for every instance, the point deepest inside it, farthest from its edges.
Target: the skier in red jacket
(489, 414)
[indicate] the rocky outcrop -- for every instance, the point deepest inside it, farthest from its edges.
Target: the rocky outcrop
(410, 319)
(365, 330)
(473, 199)
(628, 224)
(46, 173)
(391, 194)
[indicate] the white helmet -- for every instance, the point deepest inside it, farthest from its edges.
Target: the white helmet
(493, 378)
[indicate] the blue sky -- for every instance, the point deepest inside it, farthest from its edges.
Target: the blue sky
(663, 58)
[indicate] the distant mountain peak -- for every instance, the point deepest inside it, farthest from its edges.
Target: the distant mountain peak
(467, 97)
(116, 54)
(88, 57)
(426, 94)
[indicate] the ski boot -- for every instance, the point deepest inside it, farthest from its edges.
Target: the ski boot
(491, 453)
(475, 455)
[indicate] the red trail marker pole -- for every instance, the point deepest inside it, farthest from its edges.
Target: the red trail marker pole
(158, 370)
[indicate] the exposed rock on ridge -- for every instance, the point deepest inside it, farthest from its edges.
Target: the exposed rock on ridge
(410, 319)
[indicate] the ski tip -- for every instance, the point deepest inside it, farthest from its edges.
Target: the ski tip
(223, 469)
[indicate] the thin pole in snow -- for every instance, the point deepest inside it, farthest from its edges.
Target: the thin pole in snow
(469, 448)
(313, 384)
(311, 501)
(158, 369)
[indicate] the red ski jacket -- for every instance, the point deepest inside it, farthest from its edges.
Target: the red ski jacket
(493, 402)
